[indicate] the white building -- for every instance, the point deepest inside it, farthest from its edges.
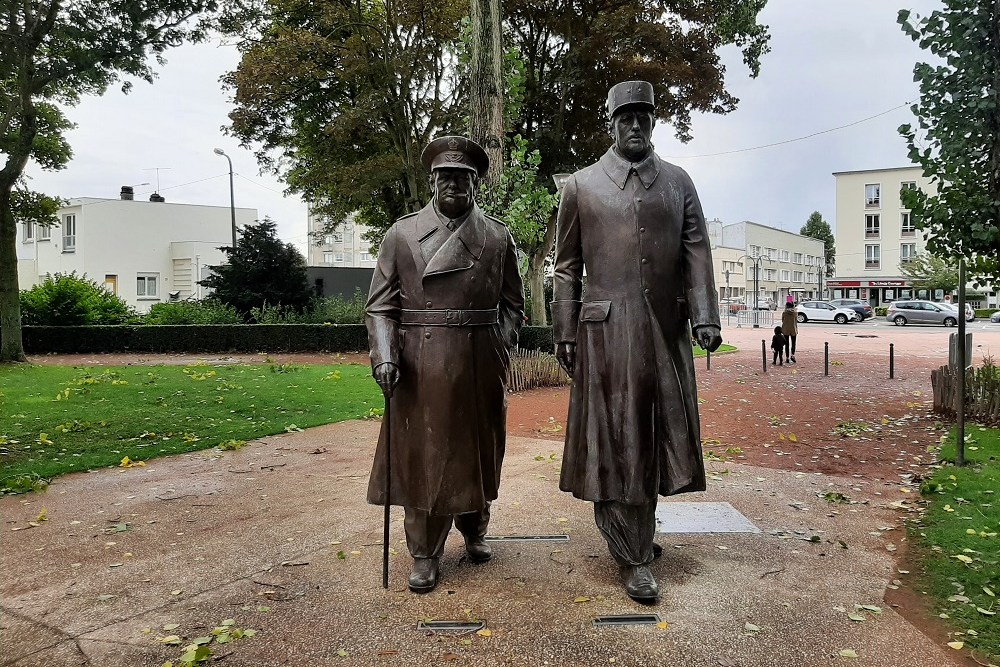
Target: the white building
(875, 237)
(789, 263)
(344, 247)
(143, 251)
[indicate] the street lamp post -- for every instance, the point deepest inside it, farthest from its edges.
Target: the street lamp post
(756, 260)
(232, 196)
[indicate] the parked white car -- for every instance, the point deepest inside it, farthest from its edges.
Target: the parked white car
(821, 311)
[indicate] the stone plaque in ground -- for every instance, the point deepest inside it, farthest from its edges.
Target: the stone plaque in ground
(678, 517)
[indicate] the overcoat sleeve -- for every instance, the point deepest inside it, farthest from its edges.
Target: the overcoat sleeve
(511, 296)
(696, 258)
(567, 282)
(382, 309)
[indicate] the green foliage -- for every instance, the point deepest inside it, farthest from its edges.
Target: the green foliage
(65, 299)
(342, 97)
(176, 412)
(206, 311)
(957, 138)
(929, 271)
(959, 535)
(261, 270)
(818, 228)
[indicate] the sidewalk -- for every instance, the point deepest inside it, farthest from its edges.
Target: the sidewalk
(254, 535)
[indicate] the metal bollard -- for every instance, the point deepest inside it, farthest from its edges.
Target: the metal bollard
(763, 353)
(892, 361)
(826, 358)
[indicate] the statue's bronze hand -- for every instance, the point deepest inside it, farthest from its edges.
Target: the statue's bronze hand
(566, 355)
(709, 337)
(387, 376)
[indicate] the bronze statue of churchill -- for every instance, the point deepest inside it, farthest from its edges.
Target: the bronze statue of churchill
(635, 224)
(443, 313)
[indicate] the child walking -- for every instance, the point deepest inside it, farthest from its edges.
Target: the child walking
(777, 346)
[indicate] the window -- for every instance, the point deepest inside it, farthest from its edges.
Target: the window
(69, 233)
(44, 232)
(755, 251)
(338, 257)
(809, 260)
(111, 283)
(328, 239)
(366, 257)
(796, 276)
(873, 256)
(797, 258)
(338, 237)
(147, 285)
(873, 225)
(873, 198)
(328, 258)
(770, 274)
(785, 255)
(786, 275)
(770, 252)
(906, 185)
(28, 234)
(907, 251)
(906, 226)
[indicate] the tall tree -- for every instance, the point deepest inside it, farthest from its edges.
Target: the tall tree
(818, 228)
(348, 93)
(339, 98)
(957, 137)
(261, 271)
(487, 125)
(931, 272)
(53, 52)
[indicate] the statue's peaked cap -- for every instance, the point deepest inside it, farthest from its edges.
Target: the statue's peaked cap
(632, 94)
(453, 152)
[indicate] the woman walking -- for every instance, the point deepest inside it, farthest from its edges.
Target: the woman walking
(790, 329)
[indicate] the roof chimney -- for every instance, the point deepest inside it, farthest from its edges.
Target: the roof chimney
(128, 193)
(157, 197)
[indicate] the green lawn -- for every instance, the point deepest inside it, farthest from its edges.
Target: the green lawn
(57, 419)
(960, 539)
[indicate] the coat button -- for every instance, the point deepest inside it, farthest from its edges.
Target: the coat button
(646, 290)
(428, 304)
(427, 335)
(644, 260)
(642, 230)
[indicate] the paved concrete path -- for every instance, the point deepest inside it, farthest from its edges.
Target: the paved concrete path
(254, 535)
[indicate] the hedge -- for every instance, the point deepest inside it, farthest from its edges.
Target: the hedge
(212, 338)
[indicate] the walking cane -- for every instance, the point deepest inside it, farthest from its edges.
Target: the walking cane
(387, 420)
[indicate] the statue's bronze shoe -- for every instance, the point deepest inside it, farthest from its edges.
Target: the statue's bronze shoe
(657, 550)
(424, 577)
(477, 548)
(641, 585)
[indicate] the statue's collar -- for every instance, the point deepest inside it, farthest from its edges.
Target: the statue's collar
(618, 168)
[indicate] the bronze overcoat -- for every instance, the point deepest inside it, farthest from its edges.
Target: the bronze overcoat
(639, 231)
(448, 411)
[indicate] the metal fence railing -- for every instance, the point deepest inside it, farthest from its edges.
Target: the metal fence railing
(747, 318)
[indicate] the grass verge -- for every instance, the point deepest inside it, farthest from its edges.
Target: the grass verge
(58, 419)
(960, 538)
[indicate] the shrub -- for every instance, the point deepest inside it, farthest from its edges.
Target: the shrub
(337, 310)
(66, 299)
(206, 311)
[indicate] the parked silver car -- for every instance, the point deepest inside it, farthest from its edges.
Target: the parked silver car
(921, 312)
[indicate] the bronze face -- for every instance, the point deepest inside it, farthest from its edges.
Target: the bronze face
(454, 190)
(633, 130)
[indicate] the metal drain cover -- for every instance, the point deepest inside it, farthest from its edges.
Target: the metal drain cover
(527, 538)
(451, 626)
(622, 620)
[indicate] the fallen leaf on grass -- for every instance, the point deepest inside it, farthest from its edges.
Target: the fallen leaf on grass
(956, 645)
(171, 626)
(663, 625)
(986, 612)
(750, 627)
(170, 639)
(342, 653)
(856, 617)
(582, 598)
(485, 632)
(848, 653)
(177, 592)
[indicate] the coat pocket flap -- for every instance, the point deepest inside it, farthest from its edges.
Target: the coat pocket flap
(594, 311)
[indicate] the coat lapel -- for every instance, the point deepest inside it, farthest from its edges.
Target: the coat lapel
(462, 249)
(426, 238)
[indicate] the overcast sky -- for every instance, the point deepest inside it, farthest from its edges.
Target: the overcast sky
(831, 64)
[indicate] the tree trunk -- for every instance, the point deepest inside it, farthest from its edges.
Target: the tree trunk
(486, 103)
(536, 275)
(11, 346)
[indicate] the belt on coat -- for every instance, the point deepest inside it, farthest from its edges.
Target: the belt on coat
(449, 318)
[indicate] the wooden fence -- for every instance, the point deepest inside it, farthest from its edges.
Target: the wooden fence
(982, 392)
(530, 369)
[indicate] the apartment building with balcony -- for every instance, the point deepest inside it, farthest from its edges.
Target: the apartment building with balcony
(345, 247)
